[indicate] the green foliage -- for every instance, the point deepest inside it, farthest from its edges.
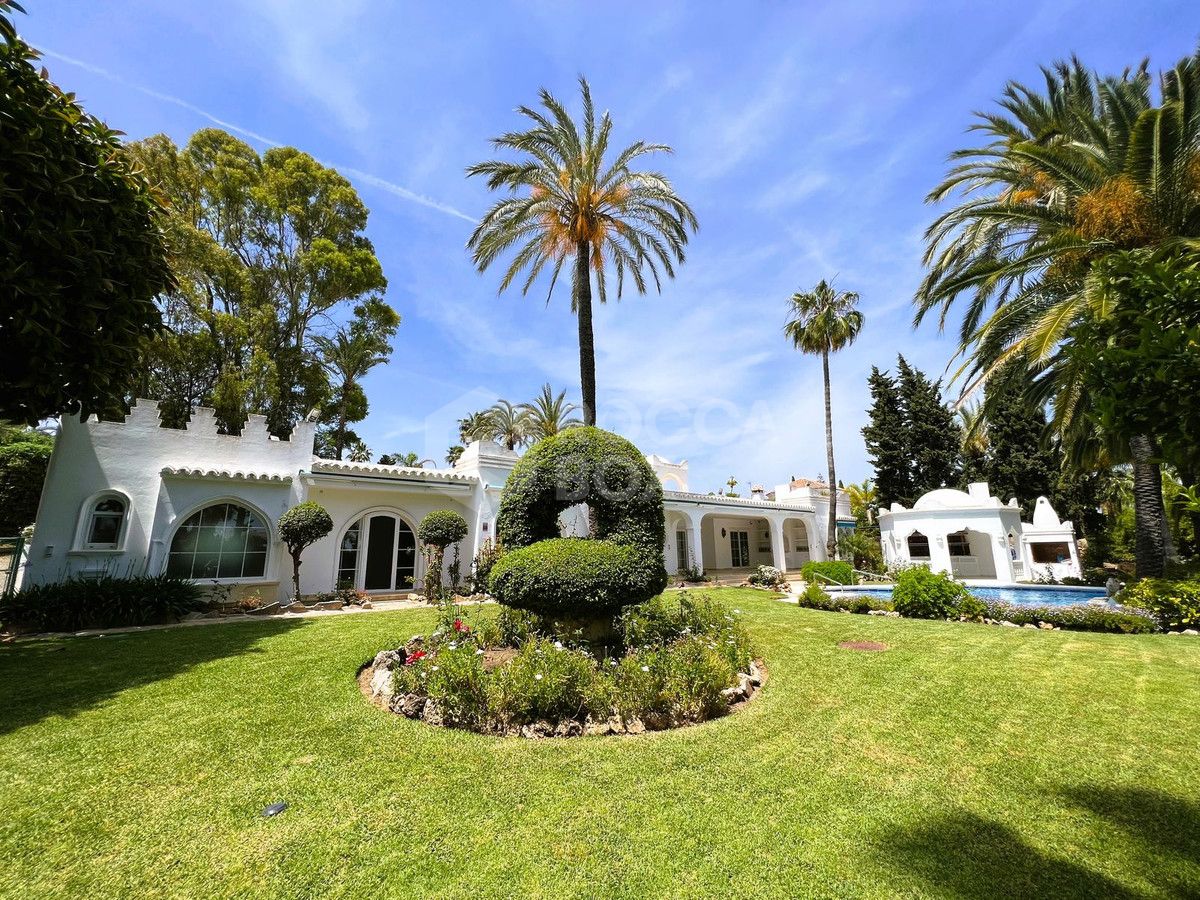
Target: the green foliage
(481, 570)
(82, 252)
(266, 250)
(667, 618)
(546, 681)
(862, 547)
(301, 526)
(887, 444)
(767, 576)
(933, 437)
(835, 570)
(1020, 461)
(619, 565)
(1176, 604)
(104, 602)
(22, 471)
(923, 594)
(548, 414)
(814, 597)
(304, 524)
(517, 626)
(454, 678)
(441, 528)
(681, 682)
(576, 577)
(1081, 617)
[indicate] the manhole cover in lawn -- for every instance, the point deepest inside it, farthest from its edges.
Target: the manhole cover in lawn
(868, 646)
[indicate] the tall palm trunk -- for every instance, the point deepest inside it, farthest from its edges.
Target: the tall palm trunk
(582, 296)
(1150, 517)
(831, 522)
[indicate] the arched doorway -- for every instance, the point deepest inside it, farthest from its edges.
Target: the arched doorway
(970, 554)
(378, 552)
(679, 553)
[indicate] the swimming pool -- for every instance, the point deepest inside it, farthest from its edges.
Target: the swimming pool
(1020, 595)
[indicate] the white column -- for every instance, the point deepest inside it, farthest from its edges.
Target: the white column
(697, 518)
(778, 549)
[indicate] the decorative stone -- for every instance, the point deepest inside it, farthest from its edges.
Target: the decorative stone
(538, 730)
(568, 728)
(877, 612)
(733, 695)
(1029, 625)
(268, 610)
(593, 727)
(388, 659)
(892, 614)
(367, 604)
(410, 705)
(432, 713)
(635, 726)
(1192, 631)
(193, 616)
(297, 607)
(755, 674)
(745, 684)
(1008, 624)
(381, 684)
(616, 725)
(1045, 626)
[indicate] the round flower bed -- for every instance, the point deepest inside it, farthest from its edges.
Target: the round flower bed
(679, 661)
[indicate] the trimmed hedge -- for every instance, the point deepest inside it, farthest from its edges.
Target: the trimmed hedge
(620, 564)
(572, 576)
(837, 570)
(105, 602)
(1075, 618)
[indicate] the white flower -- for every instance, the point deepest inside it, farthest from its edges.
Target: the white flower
(737, 612)
(452, 645)
(537, 677)
(645, 668)
(612, 662)
(433, 668)
(558, 645)
(479, 653)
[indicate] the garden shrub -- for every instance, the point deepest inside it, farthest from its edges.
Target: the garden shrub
(485, 559)
(619, 564)
(815, 597)
(675, 683)
(767, 576)
(1175, 604)
(836, 570)
(516, 626)
(104, 602)
(920, 593)
(546, 681)
(301, 526)
(1080, 617)
(437, 531)
(23, 467)
(665, 619)
(454, 678)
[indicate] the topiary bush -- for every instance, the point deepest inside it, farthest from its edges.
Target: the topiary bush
(105, 602)
(835, 570)
(437, 531)
(1176, 604)
(302, 525)
(920, 593)
(619, 564)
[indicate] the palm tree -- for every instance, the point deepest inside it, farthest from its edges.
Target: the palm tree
(409, 460)
(567, 202)
(1068, 176)
(975, 443)
(549, 414)
(864, 500)
(509, 424)
(454, 454)
(732, 482)
(476, 427)
(823, 321)
(347, 356)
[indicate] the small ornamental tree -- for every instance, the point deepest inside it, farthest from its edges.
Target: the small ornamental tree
(437, 531)
(302, 525)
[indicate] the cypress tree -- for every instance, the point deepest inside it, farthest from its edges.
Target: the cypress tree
(933, 436)
(1019, 462)
(887, 443)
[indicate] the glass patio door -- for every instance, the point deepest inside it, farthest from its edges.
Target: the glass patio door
(681, 550)
(739, 547)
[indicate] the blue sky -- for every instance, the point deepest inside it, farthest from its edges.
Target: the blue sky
(806, 137)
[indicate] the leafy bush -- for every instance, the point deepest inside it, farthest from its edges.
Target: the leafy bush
(767, 576)
(568, 577)
(454, 678)
(516, 626)
(835, 570)
(1081, 617)
(814, 597)
(862, 546)
(679, 682)
(664, 620)
(920, 593)
(1175, 604)
(441, 528)
(619, 565)
(22, 470)
(546, 681)
(485, 560)
(347, 596)
(1094, 577)
(104, 602)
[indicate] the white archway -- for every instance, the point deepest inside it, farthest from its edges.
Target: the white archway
(377, 551)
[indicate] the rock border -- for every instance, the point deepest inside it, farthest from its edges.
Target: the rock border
(375, 682)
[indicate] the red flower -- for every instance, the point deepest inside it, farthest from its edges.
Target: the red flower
(460, 627)
(414, 656)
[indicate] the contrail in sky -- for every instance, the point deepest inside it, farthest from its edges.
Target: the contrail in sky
(374, 180)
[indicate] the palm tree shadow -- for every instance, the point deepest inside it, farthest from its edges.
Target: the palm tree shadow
(965, 855)
(65, 677)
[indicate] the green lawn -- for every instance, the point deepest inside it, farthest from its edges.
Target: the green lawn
(965, 761)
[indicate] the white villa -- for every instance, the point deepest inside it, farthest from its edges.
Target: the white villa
(133, 497)
(974, 536)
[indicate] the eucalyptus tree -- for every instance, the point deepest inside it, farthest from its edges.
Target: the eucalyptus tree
(569, 199)
(549, 413)
(820, 322)
(1066, 176)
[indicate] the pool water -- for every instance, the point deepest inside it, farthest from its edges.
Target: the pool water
(1024, 595)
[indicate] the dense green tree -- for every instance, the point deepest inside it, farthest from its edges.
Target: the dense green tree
(886, 439)
(411, 460)
(475, 427)
(266, 249)
(569, 200)
(1086, 168)
(820, 322)
(24, 458)
(508, 424)
(931, 431)
(549, 413)
(82, 253)
(1021, 461)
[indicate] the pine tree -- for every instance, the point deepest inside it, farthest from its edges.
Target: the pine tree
(1020, 463)
(931, 432)
(887, 444)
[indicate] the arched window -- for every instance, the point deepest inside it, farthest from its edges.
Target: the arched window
(918, 546)
(105, 523)
(224, 540)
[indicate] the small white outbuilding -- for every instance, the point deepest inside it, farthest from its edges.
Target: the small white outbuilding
(974, 536)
